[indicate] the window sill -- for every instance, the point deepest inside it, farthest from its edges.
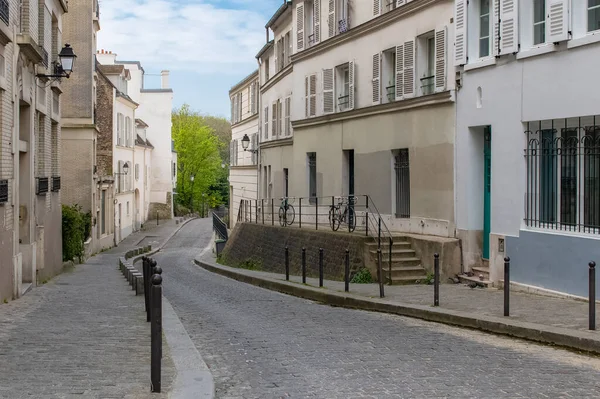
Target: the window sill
(480, 63)
(536, 50)
(591, 37)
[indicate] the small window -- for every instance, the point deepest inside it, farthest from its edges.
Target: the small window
(539, 21)
(312, 176)
(484, 28)
(593, 15)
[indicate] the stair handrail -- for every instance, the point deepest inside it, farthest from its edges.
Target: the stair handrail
(219, 227)
(379, 222)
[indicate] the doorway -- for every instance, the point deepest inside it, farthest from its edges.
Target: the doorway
(487, 190)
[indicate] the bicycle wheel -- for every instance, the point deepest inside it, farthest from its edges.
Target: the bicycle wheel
(282, 216)
(290, 214)
(334, 221)
(351, 219)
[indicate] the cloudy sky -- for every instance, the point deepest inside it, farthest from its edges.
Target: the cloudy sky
(208, 45)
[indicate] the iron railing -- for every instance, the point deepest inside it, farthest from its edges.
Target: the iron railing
(3, 191)
(5, 11)
(43, 184)
(391, 93)
(343, 25)
(343, 102)
(55, 184)
(427, 85)
(402, 171)
(563, 175)
(219, 227)
(45, 58)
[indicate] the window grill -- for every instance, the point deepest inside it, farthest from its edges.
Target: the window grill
(563, 175)
(42, 185)
(55, 184)
(4, 11)
(3, 191)
(402, 169)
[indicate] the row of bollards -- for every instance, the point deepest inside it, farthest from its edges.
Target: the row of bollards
(153, 304)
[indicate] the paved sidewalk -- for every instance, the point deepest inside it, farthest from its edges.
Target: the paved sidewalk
(538, 313)
(83, 334)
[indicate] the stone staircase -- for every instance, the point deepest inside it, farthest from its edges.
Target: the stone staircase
(406, 267)
(479, 275)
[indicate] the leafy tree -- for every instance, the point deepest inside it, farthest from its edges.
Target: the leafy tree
(198, 154)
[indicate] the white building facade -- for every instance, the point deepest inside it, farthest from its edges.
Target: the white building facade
(528, 139)
(243, 164)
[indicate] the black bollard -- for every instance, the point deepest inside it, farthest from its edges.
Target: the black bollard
(156, 334)
(380, 274)
(157, 218)
(146, 274)
(592, 294)
(347, 271)
(507, 286)
(436, 279)
(287, 264)
(320, 267)
(303, 265)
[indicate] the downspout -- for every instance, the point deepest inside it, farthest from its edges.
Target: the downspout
(258, 142)
(16, 171)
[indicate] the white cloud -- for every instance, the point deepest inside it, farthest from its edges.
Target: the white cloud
(200, 35)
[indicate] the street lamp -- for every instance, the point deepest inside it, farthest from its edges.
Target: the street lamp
(246, 143)
(64, 67)
(125, 169)
(192, 177)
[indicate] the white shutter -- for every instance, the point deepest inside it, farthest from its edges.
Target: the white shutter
(254, 142)
(460, 32)
(231, 152)
(232, 111)
(300, 26)
(252, 103)
(331, 23)
(409, 69)
(317, 18)
(328, 85)
(266, 123)
(120, 174)
(440, 59)
(496, 25)
(288, 112)
(274, 119)
(377, 78)
(279, 118)
(275, 47)
(306, 96)
(376, 8)
(351, 85)
(509, 26)
(557, 20)
(399, 72)
(235, 152)
(400, 3)
(313, 95)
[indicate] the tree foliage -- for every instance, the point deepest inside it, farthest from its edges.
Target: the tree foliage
(199, 142)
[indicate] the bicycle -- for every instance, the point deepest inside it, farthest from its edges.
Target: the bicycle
(287, 213)
(343, 212)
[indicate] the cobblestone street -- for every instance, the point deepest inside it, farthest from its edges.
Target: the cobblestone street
(262, 344)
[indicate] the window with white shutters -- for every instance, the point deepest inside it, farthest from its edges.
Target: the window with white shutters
(376, 78)
(328, 95)
(409, 69)
(509, 38)
(460, 32)
(317, 20)
(440, 60)
(300, 26)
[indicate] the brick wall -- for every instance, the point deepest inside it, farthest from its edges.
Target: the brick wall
(6, 119)
(104, 123)
(267, 245)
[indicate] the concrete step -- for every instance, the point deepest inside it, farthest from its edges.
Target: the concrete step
(405, 271)
(406, 280)
(464, 279)
(481, 270)
(385, 244)
(400, 261)
(396, 253)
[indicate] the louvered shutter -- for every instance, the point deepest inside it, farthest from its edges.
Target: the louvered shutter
(409, 69)
(306, 96)
(235, 152)
(509, 27)
(557, 20)
(460, 32)
(288, 113)
(275, 48)
(300, 26)
(266, 123)
(120, 171)
(331, 23)
(399, 72)
(317, 18)
(313, 95)
(252, 91)
(376, 78)
(400, 3)
(328, 85)
(274, 119)
(440, 59)
(376, 8)
(254, 142)
(352, 85)
(279, 118)
(496, 24)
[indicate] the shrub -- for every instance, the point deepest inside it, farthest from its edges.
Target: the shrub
(76, 227)
(363, 276)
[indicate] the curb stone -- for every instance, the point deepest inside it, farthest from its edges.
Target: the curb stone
(571, 339)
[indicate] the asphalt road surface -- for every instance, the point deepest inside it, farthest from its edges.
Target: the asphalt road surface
(262, 344)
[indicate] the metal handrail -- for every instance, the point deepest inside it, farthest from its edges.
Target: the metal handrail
(219, 227)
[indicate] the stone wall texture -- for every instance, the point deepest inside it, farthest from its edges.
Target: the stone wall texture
(266, 245)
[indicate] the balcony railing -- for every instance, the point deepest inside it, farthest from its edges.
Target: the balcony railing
(42, 185)
(3, 191)
(44, 56)
(4, 11)
(427, 85)
(311, 39)
(55, 184)
(343, 102)
(391, 92)
(343, 25)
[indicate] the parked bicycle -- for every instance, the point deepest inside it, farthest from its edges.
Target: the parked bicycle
(343, 212)
(287, 213)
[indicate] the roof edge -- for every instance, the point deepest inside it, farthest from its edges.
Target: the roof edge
(244, 81)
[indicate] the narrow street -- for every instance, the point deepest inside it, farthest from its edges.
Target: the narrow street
(262, 344)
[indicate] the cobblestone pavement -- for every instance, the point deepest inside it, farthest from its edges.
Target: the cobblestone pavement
(262, 344)
(81, 335)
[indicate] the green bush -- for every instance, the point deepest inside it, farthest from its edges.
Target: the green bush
(363, 276)
(251, 264)
(76, 227)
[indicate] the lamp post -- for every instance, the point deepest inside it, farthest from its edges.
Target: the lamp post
(192, 177)
(64, 67)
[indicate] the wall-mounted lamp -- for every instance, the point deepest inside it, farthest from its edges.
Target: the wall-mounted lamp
(64, 67)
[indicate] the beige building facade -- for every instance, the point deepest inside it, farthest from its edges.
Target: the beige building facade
(243, 163)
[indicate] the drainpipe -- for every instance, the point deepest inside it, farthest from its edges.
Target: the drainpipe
(260, 124)
(16, 172)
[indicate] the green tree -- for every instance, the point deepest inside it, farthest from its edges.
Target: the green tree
(198, 155)
(222, 129)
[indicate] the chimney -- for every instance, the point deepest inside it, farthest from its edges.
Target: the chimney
(164, 79)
